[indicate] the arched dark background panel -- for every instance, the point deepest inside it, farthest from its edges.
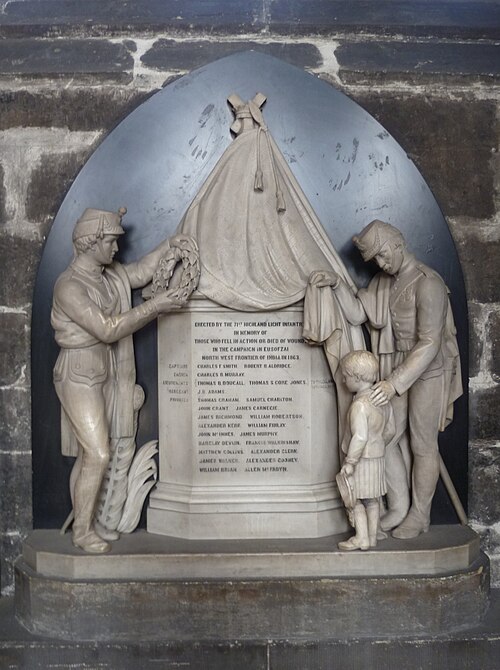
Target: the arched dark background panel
(155, 161)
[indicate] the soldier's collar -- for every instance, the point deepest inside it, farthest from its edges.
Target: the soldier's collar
(89, 270)
(409, 264)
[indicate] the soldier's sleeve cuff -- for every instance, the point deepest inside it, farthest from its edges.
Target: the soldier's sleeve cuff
(398, 386)
(149, 307)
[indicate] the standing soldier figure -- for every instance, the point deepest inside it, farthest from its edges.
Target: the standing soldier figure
(94, 375)
(412, 333)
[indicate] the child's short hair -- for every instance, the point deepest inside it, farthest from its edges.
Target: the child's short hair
(360, 364)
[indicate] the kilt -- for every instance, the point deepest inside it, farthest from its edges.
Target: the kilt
(369, 478)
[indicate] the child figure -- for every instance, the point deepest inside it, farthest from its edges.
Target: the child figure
(369, 429)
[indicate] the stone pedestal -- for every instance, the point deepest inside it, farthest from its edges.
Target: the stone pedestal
(248, 428)
(158, 588)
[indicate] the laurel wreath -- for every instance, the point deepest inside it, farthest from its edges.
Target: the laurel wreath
(186, 252)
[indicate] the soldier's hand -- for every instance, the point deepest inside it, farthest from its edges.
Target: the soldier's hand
(168, 302)
(180, 240)
(321, 278)
(382, 393)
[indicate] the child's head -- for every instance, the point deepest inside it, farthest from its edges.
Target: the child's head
(362, 365)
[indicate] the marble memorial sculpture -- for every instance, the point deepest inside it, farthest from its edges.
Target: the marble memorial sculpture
(262, 251)
(94, 375)
(369, 428)
(407, 310)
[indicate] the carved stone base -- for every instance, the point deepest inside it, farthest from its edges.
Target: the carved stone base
(263, 512)
(159, 588)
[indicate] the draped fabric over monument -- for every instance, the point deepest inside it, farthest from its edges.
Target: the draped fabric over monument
(258, 236)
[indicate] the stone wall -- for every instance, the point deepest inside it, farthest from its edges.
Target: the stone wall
(426, 70)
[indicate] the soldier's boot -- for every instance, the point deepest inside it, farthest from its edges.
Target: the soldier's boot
(106, 533)
(361, 539)
(414, 525)
(85, 492)
(425, 476)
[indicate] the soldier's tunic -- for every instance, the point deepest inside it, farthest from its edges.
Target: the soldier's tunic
(94, 381)
(413, 333)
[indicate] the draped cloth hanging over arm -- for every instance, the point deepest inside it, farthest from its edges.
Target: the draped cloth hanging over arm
(326, 324)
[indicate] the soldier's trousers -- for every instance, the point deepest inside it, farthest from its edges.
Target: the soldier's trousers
(87, 409)
(419, 411)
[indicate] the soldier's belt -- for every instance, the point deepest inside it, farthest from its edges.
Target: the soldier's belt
(405, 345)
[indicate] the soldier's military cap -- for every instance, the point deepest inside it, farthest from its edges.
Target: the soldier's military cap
(99, 222)
(373, 237)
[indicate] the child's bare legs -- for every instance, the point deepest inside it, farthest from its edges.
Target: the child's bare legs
(361, 540)
(373, 516)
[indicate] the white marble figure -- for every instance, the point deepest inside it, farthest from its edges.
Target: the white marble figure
(369, 428)
(408, 312)
(94, 375)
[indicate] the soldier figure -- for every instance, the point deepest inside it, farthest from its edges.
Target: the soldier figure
(94, 375)
(407, 309)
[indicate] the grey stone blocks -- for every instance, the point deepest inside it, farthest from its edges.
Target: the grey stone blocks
(172, 55)
(446, 19)
(54, 58)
